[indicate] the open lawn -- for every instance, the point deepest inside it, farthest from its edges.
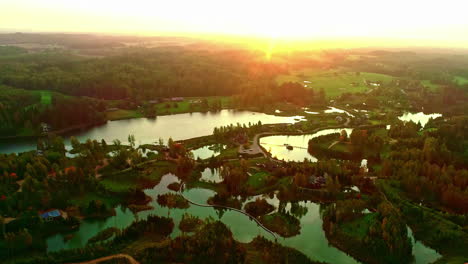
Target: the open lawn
(83, 201)
(123, 114)
(359, 227)
(190, 104)
(258, 180)
(432, 86)
(461, 80)
(46, 97)
(334, 82)
(131, 179)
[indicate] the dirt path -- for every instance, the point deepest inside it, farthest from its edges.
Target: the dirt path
(333, 144)
(347, 121)
(20, 183)
(229, 208)
(125, 256)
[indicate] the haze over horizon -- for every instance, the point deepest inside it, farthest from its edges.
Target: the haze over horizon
(396, 23)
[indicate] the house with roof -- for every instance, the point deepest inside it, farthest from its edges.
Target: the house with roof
(50, 215)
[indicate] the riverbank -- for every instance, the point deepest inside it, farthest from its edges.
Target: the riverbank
(57, 132)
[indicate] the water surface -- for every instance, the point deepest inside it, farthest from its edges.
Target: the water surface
(276, 144)
(147, 131)
(419, 117)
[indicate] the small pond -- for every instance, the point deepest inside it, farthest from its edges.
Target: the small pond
(208, 151)
(276, 144)
(419, 117)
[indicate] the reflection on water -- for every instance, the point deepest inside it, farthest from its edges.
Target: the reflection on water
(208, 151)
(418, 117)
(211, 175)
(311, 241)
(332, 109)
(146, 131)
(421, 253)
(276, 145)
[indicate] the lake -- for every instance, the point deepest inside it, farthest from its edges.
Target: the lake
(146, 131)
(276, 144)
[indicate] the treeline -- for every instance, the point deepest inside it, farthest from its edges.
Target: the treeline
(383, 239)
(22, 112)
(431, 167)
(419, 66)
(362, 143)
(137, 73)
(265, 92)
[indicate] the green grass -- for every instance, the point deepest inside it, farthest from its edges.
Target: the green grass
(184, 106)
(358, 228)
(342, 147)
(121, 182)
(229, 153)
(258, 180)
(168, 108)
(434, 228)
(381, 132)
(333, 84)
(123, 114)
(432, 86)
(46, 98)
(461, 80)
(83, 201)
(129, 180)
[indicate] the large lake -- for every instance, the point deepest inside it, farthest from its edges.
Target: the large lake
(179, 126)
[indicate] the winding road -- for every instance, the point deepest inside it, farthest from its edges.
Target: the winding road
(129, 258)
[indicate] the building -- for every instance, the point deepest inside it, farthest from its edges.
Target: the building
(177, 99)
(50, 215)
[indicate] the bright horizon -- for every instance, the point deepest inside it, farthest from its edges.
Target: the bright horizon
(396, 23)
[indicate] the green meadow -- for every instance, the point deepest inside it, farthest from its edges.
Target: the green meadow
(334, 83)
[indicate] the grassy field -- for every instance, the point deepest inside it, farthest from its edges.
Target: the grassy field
(129, 180)
(461, 80)
(184, 106)
(169, 108)
(123, 114)
(258, 180)
(83, 201)
(46, 98)
(334, 82)
(432, 86)
(358, 228)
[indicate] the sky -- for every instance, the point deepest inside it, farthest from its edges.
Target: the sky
(438, 22)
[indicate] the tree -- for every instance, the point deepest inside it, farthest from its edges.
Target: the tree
(2, 222)
(343, 135)
(131, 140)
(75, 143)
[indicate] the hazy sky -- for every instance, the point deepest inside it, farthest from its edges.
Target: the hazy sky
(425, 21)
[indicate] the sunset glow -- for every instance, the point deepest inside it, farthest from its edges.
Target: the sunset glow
(400, 21)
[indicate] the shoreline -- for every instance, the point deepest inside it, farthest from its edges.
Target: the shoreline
(58, 132)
